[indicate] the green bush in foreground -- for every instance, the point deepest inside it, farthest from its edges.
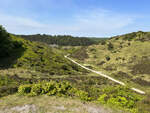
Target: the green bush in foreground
(49, 88)
(53, 88)
(24, 89)
(119, 96)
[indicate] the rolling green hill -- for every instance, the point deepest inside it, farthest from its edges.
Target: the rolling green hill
(125, 57)
(35, 56)
(20, 59)
(31, 72)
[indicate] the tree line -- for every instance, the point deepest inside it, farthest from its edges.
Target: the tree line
(62, 40)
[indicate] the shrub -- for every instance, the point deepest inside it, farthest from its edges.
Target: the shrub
(102, 98)
(24, 89)
(119, 96)
(72, 92)
(83, 95)
(107, 58)
(110, 46)
(53, 88)
(62, 88)
(49, 87)
(103, 42)
(36, 89)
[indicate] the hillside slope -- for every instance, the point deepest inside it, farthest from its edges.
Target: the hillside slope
(39, 74)
(22, 61)
(125, 57)
(35, 56)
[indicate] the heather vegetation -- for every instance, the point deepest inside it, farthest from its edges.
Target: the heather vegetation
(19, 53)
(34, 70)
(125, 58)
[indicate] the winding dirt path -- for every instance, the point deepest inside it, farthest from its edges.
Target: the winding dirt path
(106, 76)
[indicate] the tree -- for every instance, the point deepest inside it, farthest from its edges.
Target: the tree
(4, 42)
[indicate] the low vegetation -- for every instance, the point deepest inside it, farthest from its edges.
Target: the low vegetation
(33, 70)
(125, 58)
(119, 96)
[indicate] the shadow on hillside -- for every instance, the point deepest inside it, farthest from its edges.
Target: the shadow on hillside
(142, 67)
(10, 58)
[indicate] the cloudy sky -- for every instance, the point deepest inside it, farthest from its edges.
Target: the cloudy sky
(98, 18)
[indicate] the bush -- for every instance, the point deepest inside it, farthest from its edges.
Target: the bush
(37, 89)
(103, 42)
(48, 88)
(119, 96)
(53, 88)
(62, 88)
(107, 58)
(24, 89)
(83, 95)
(110, 46)
(102, 98)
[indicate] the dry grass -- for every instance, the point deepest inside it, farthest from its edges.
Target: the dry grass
(46, 104)
(24, 73)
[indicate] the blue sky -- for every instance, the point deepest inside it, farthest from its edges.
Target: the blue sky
(98, 18)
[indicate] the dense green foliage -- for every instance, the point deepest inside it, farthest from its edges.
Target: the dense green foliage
(10, 50)
(63, 40)
(118, 96)
(52, 88)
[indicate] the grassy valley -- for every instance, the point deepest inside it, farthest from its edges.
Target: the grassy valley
(36, 77)
(125, 57)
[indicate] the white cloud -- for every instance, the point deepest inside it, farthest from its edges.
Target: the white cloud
(88, 23)
(101, 22)
(16, 24)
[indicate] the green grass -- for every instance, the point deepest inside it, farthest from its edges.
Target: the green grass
(43, 58)
(130, 57)
(31, 63)
(125, 58)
